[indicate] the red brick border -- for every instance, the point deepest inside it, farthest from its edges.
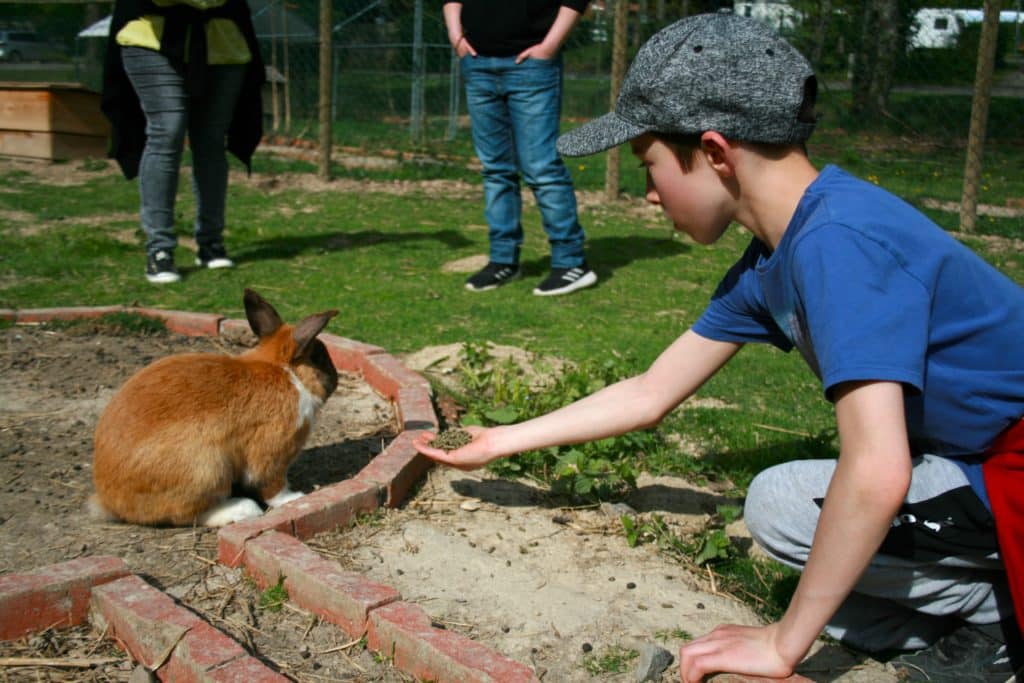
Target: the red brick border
(343, 598)
(403, 632)
(169, 639)
(56, 595)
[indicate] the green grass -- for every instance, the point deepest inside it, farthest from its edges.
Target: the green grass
(274, 597)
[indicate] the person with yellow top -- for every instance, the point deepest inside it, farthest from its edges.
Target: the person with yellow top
(177, 67)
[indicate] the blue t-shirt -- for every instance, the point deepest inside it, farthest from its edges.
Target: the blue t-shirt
(868, 288)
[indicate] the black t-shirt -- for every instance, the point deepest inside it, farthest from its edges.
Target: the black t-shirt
(502, 29)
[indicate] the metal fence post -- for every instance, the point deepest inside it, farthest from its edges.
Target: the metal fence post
(453, 98)
(418, 76)
(324, 97)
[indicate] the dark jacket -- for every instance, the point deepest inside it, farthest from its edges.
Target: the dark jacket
(121, 105)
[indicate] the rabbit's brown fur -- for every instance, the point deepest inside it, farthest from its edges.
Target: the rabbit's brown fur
(183, 430)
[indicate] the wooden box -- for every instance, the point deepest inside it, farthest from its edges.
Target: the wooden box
(55, 121)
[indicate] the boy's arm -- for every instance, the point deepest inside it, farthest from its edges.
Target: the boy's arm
(452, 12)
(870, 482)
(634, 403)
(548, 48)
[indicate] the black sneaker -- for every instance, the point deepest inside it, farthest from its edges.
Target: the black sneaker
(160, 267)
(214, 256)
(565, 280)
(970, 654)
(493, 275)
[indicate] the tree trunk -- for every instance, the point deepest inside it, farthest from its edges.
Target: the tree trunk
(874, 59)
(824, 10)
(979, 116)
(612, 173)
(324, 104)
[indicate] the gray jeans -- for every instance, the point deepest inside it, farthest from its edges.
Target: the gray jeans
(938, 564)
(170, 114)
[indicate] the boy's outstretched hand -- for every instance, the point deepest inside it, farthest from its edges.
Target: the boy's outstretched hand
(733, 649)
(469, 457)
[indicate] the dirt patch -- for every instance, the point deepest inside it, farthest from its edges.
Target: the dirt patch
(553, 587)
(53, 386)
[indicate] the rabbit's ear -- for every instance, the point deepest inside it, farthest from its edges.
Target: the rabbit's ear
(306, 331)
(263, 319)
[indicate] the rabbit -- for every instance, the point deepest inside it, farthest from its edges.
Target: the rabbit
(184, 429)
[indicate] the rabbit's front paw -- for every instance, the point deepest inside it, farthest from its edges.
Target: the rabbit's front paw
(230, 510)
(283, 496)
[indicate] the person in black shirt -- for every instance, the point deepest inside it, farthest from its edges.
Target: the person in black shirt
(510, 55)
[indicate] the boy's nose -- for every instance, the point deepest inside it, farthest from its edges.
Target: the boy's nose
(652, 192)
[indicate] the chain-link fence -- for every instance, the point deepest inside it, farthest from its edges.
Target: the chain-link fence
(883, 64)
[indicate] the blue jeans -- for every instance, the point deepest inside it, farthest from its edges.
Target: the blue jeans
(515, 110)
(170, 113)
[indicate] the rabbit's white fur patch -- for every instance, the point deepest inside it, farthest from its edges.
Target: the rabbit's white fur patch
(283, 496)
(308, 403)
(230, 510)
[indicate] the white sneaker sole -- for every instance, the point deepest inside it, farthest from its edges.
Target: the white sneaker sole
(586, 281)
(216, 263)
(163, 278)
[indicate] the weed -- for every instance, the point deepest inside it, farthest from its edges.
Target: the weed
(614, 659)
(673, 634)
(371, 518)
(274, 596)
(499, 393)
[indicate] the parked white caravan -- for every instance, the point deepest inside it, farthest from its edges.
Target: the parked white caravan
(936, 28)
(781, 16)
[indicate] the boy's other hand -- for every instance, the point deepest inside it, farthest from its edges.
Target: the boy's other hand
(470, 457)
(463, 48)
(748, 650)
(538, 51)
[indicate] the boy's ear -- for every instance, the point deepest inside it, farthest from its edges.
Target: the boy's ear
(718, 151)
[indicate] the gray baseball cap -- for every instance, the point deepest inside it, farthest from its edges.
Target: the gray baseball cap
(719, 72)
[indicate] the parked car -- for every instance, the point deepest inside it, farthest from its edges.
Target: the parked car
(28, 46)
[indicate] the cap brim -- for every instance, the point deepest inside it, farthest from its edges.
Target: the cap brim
(598, 135)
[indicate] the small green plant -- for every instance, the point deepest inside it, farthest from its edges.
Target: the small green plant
(371, 518)
(673, 634)
(614, 659)
(274, 596)
(498, 393)
(710, 546)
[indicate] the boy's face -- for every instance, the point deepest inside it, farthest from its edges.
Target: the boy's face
(686, 187)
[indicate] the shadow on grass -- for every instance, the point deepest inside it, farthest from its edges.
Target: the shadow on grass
(607, 254)
(743, 464)
(293, 245)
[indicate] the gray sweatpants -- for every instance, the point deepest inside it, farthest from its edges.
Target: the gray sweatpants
(919, 584)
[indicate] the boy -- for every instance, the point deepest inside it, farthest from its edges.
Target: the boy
(914, 337)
